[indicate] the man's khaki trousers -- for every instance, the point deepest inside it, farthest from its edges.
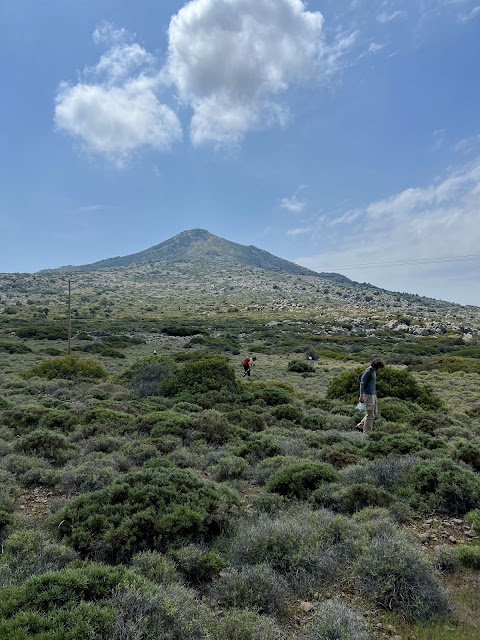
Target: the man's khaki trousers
(371, 413)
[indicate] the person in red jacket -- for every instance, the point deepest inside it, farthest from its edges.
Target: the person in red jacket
(248, 363)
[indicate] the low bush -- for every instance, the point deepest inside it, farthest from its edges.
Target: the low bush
(445, 486)
(48, 332)
(70, 368)
(273, 395)
(468, 452)
(391, 383)
(335, 621)
(14, 347)
(231, 467)
(473, 519)
(256, 587)
(59, 420)
(289, 543)
(47, 444)
(396, 575)
(94, 472)
(247, 419)
(67, 604)
(213, 426)
(206, 374)
(300, 480)
(258, 447)
(238, 624)
(24, 419)
(287, 412)
(383, 444)
(299, 366)
(197, 564)
(168, 612)
(314, 422)
(30, 471)
(148, 509)
(156, 567)
(358, 496)
(26, 553)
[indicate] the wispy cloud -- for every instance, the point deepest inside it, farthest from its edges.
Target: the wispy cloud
(470, 15)
(385, 17)
(295, 204)
(429, 222)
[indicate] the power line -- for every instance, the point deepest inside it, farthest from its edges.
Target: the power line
(398, 263)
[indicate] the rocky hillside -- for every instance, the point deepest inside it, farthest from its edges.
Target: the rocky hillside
(198, 245)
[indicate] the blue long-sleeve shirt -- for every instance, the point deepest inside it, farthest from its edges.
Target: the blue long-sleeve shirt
(368, 382)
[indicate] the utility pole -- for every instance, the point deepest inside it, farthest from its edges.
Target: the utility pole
(69, 318)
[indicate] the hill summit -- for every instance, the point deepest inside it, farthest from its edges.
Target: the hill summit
(199, 245)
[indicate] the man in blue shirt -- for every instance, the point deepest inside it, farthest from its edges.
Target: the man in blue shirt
(368, 394)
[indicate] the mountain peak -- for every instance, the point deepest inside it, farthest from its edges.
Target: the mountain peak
(201, 246)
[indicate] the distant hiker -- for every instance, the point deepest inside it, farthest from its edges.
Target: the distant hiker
(368, 395)
(154, 353)
(310, 361)
(246, 367)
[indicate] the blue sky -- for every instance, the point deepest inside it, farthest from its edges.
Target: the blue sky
(341, 134)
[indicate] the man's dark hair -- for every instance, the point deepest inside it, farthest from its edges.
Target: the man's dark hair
(377, 363)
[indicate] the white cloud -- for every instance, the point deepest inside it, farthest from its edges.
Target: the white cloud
(425, 223)
(294, 204)
(466, 17)
(115, 110)
(466, 145)
(299, 231)
(230, 60)
(388, 17)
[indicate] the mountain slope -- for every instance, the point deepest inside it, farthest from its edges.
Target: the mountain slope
(197, 245)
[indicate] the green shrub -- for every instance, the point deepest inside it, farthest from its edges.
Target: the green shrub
(26, 553)
(395, 410)
(273, 395)
(469, 556)
(335, 621)
(197, 564)
(170, 423)
(207, 374)
(473, 519)
(156, 567)
(59, 420)
(256, 587)
(300, 480)
(444, 485)
(382, 444)
(288, 543)
(468, 452)
(30, 471)
(231, 467)
(102, 415)
(238, 624)
(396, 575)
(24, 419)
(358, 496)
(247, 419)
(287, 412)
(148, 509)
(258, 447)
(391, 383)
(70, 368)
(168, 612)
(214, 426)
(146, 375)
(314, 422)
(14, 347)
(94, 472)
(47, 444)
(299, 366)
(49, 332)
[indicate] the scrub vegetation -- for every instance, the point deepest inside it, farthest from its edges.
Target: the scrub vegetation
(147, 495)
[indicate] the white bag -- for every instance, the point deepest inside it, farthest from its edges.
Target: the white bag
(360, 407)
